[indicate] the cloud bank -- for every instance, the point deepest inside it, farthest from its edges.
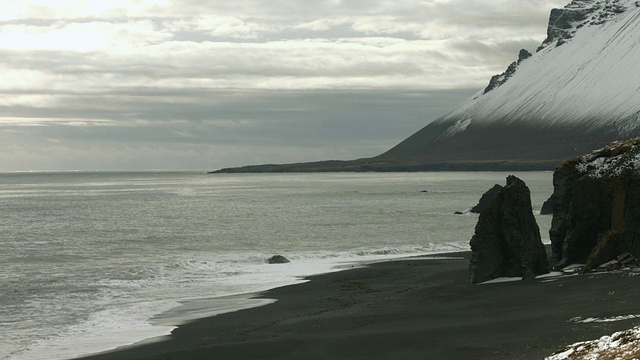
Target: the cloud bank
(228, 82)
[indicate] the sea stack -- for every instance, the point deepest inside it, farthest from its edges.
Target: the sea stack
(486, 199)
(507, 239)
(597, 206)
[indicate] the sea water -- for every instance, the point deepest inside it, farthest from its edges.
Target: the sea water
(93, 261)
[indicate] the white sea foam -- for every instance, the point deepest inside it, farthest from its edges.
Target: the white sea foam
(104, 330)
(184, 292)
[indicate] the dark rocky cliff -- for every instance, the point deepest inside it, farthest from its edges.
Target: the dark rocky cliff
(597, 206)
(563, 23)
(500, 79)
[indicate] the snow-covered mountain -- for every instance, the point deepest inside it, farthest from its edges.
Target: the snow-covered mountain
(579, 91)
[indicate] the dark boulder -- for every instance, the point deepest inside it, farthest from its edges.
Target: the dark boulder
(278, 259)
(547, 207)
(597, 205)
(486, 199)
(507, 238)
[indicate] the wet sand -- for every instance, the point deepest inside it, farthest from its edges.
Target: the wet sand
(409, 309)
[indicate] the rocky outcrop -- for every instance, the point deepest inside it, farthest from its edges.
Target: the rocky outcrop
(604, 251)
(500, 79)
(507, 238)
(597, 206)
(563, 23)
(278, 259)
(486, 199)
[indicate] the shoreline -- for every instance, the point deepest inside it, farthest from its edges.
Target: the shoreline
(405, 310)
(192, 309)
(195, 309)
(188, 311)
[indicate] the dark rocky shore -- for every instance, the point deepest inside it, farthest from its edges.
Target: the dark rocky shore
(412, 309)
(596, 203)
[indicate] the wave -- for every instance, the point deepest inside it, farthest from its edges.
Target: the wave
(231, 263)
(134, 297)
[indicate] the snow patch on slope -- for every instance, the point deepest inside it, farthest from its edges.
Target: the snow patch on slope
(458, 127)
(591, 80)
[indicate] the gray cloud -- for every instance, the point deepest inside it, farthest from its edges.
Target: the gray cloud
(501, 53)
(218, 83)
(289, 126)
(264, 117)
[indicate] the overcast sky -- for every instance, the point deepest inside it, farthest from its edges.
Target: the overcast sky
(205, 84)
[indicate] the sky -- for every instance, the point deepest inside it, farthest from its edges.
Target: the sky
(207, 84)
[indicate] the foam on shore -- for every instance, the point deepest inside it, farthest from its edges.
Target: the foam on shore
(196, 288)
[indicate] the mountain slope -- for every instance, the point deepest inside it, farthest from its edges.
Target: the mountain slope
(579, 91)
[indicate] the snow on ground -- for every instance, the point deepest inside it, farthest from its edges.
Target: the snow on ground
(612, 160)
(554, 275)
(603, 320)
(623, 345)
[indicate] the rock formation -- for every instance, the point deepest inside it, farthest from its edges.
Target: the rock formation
(597, 206)
(486, 199)
(500, 79)
(547, 207)
(507, 238)
(564, 23)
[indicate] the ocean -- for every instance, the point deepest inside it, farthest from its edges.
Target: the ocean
(95, 260)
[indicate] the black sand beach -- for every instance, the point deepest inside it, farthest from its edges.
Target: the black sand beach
(409, 309)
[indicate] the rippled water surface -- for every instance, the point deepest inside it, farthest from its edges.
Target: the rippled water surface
(89, 258)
